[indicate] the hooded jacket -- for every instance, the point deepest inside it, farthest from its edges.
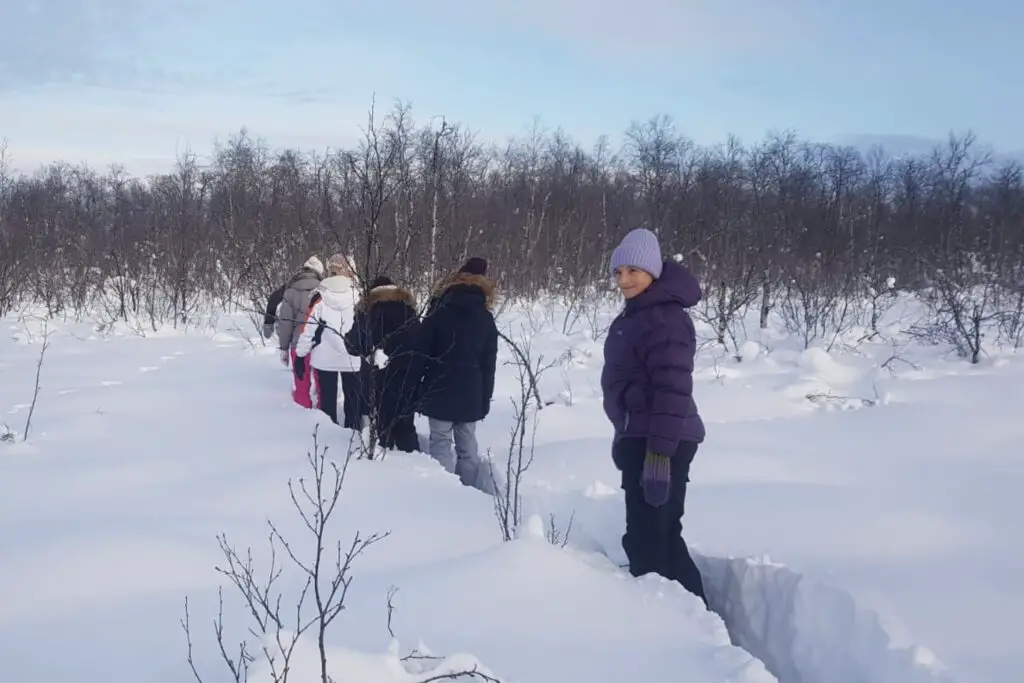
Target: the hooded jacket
(386, 320)
(330, 318)
(459, 345)
(293, 307)
(647, 379)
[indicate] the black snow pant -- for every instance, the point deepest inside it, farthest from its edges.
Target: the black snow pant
(327, 393)
(653, 540)
(352, 393)
(398, 432)
(365, 383)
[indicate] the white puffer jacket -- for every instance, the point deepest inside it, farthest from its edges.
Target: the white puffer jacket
(336, 312)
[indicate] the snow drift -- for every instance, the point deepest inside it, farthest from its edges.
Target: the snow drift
(805, 631)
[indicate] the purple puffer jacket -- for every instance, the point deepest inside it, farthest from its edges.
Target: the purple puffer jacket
(647, 379)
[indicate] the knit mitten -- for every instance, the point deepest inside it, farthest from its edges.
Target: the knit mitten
(656, 479)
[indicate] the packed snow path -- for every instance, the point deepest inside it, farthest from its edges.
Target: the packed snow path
(143, 449)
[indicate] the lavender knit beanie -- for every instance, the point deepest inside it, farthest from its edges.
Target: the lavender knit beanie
(639, 249)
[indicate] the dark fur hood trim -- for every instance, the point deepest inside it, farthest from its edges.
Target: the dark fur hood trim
(472, 281)
(387, 293)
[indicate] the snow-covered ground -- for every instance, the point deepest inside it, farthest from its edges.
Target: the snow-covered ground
(856, 523)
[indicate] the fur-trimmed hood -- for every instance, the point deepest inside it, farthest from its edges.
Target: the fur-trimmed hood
(468, 280)
(386, 293)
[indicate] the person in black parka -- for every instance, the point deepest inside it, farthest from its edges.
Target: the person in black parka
(386, 321)
(459, 343)
(473, 265)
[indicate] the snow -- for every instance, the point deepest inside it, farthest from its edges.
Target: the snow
(855, 513)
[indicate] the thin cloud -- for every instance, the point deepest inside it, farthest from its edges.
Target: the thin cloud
(46, 42)
(103, 43)
(147, 132)
(652, 28)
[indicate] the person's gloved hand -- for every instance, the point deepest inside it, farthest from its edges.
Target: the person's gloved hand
(268, 331)
(300, 367)
(283, 355)
(656, 479)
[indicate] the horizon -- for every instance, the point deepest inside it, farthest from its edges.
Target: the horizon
(137, 83)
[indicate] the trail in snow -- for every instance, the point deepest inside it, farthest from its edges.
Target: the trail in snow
(808, 632)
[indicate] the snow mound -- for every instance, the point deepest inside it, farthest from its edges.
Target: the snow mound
(536, 612)
(345, 664)
(749, 350)
(807, 632)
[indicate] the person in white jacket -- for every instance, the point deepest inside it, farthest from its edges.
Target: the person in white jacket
(321, 345)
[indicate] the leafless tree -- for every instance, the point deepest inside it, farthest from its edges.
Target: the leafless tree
(418, 199)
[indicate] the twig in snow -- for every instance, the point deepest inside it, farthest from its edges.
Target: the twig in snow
(39, 372)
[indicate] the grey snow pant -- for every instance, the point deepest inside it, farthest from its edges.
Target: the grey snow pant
(465, 461)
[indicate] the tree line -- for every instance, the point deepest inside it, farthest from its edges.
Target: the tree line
(781, 225)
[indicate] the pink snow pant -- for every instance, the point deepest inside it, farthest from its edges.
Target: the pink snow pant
(301, 387)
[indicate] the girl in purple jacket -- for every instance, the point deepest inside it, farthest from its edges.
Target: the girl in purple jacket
(647, 383)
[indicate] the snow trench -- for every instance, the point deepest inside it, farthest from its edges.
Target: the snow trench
(805, 631)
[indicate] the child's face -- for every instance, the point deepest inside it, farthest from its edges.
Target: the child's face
(632, 281)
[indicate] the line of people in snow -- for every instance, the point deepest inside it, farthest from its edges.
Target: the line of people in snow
(449, 367)
(386, 359)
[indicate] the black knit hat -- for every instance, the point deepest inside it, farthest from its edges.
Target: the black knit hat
(475, 266)
(381, 281)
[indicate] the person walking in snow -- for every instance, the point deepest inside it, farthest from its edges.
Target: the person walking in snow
(459, 344)
(647, 387)
(386, 322)
(270, 313)
(292, 308)
(321, 346)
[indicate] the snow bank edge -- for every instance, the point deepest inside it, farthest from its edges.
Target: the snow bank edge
(808, 632)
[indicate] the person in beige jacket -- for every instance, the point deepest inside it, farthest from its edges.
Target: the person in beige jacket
(294, 306)
(291, 314)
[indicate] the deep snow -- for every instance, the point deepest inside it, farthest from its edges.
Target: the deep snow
(837, 532)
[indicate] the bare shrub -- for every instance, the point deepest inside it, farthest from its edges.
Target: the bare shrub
(557, 535)
(279, 621)
(522, 435)
(817, 307)
(325, 574)
(1011, 315)
(882, 296)
(8, 435)
(726, 300)
(963, 308)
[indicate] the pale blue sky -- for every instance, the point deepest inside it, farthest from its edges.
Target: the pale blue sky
(139, 79)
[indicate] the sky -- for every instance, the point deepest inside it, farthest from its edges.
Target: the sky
(136, 82)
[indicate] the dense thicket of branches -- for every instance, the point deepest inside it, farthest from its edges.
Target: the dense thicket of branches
(780, 221)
